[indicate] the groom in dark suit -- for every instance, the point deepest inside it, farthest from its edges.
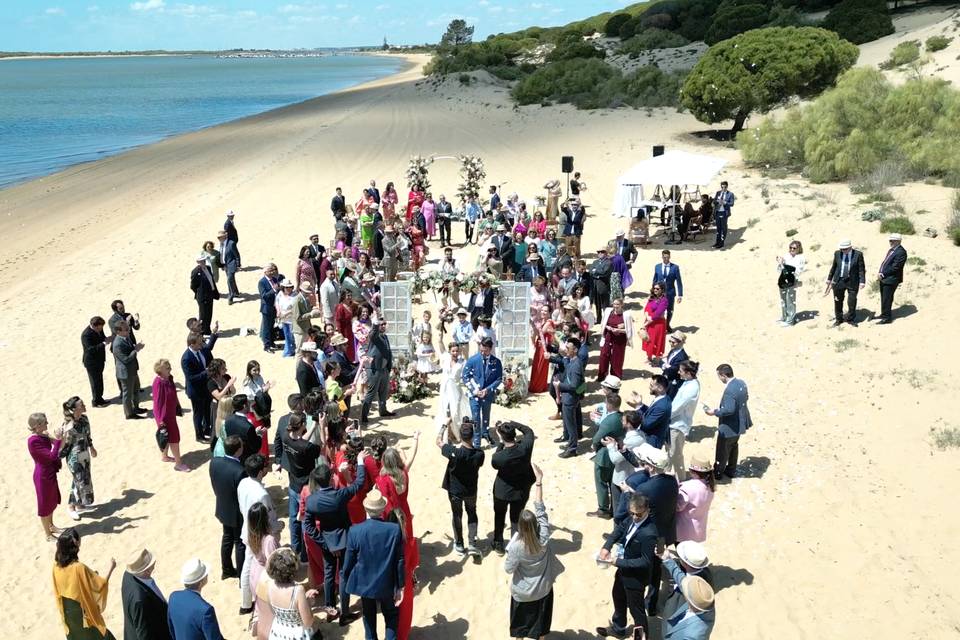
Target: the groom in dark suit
(734, 419)
(890, 276)
(847, 275)
(204, 292)
(144, 607)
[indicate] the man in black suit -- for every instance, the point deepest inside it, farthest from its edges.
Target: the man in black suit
(379, 368)
(144, 607)
(239, 425)
(378, 241)
(232, 234)
(625, 248)
(504, 246)
(511, 488)
(480, 304)
(225, 476)
(661, 491)
(573, 217)
(194, 363)
(94, 344)
(600, 273)
(569, 389)
(847, 275)
(230, 261)
(307, 377)
(338, 204)
(374, 191)
(637, 537)
(583, 277)
(444, 212)
(204, 292)
(890, 276)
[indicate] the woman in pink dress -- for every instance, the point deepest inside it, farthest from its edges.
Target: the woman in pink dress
(365, 201)
(45, 452)
(655, 324)
(388, 201)
(165, 407)
(429, 211)
(394, 483)
(539, 224)
(414, 199)
(693, 501)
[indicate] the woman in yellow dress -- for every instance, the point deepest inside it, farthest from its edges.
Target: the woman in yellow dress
(81, 592)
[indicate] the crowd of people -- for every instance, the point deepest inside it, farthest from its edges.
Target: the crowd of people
(350, 526)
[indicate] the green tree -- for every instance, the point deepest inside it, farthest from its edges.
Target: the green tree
(612, 28)
(760, 69)
(728, 22)
(859, 21)
(457, 33)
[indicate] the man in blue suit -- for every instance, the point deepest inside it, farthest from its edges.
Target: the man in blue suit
(661, 491)
(569, 389)
(232, 234)
(373, 567)
(722, 208)
(194, 363)
(482, 374)
(734, 419)
(267, 287)
(329, 506)
(669, 274)
(230, 259)
(189, 616)
(656, 415)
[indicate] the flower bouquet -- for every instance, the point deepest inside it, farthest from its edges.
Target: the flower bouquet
(405, 383)
(472, 174)
(417, 172)
(513, 390)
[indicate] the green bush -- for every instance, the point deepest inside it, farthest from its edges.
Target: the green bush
(761, 69)
(629, 28)
(953, 226)
(904, 53)
(738, 19)
(937, 43)
(652, 39)
(657, 21)
(865, 121)
(617, 20)
(571, 48)
(897, 224)
(464, 78)
(859, 21)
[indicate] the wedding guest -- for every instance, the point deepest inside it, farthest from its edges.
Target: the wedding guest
(125, 352)
(80, 592)
(611, 426)
(225, 476)
(204, 292)
(568, 388)
(601, 271)
(616, 331)
(790, 266)
(304, 311)
(548, 248)
(230, 260)
(693, 501)
(292, 616)
(682, 408)
(78, 450)
(45, 452)
(238, 424)
(253, 382)
(622, 468)
(846, 277)
(722, 208)
(460, 482)
(166, 406)
(268, 288)
(94, 344)
(734, 419)
(511, 488)
(285, 302)
(694, 616)
(299, 453)
(656, 415)
(220, 386)
(251, 492)
(890, 275)
(189, 616)
(533, 567)
(655, 324)
(444, 211)
(671, 364)
(144, 606)
(214, 259)
(261, 542)
(388, 201)
(232, 235)
(661, 491)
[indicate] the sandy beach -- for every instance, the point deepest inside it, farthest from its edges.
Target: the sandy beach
(839, 527)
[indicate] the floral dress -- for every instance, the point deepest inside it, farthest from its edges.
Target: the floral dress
(75, 450)
(361, 335)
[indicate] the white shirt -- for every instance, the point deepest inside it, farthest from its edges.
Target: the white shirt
(684, 405)
(250, 492)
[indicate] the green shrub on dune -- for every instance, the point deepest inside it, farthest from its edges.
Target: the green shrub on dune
(937, 43)
(859, 21)
(652, 39)
(903, 53)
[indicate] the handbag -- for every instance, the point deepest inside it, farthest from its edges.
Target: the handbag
(788, 277)
(163, 438)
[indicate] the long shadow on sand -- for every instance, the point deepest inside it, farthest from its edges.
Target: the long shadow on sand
(700, 432)
(442, 629)
(724, 577)
(753, 467)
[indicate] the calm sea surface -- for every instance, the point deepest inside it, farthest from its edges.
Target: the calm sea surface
(56, 113)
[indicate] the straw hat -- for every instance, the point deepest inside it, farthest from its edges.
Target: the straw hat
(140, 561)
(651, 455)
(533, 257)
(620, 233)
(461, 311)
(306, 286)
(698, 593)
(368, 277)
(389, 229)
(611, 382)
(286, 284)
(337, 340)
(895, 236)
(699, 464)
(500, 227)
(230, 214)
(192, 572)
(308, 346)
(572, 305)
(679, 336)
(845, 244)
(374, 504)
(693, 554)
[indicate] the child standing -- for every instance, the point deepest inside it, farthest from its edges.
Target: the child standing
(426, 357)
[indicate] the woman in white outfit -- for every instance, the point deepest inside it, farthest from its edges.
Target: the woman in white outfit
(790, 267)
(452, 397)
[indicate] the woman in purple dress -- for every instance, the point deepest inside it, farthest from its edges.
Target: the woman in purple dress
(45, 452)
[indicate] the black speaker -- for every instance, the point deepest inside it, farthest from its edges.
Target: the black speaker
(567, 164)
(657, 150)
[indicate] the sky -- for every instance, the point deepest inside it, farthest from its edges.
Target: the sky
(102, 25)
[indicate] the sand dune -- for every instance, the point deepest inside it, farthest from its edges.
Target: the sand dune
(842, 525)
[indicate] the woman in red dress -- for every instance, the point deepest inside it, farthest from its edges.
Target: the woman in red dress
(394, 484)
(543, 330)
(616, 333)
(165, 406)
(345, 470)
(388, 201)
(414, 199)
(417, 249)
(655, 323)
(343, 320)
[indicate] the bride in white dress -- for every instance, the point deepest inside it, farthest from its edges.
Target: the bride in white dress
(452, 397)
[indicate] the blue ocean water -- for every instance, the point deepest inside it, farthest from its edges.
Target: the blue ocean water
(58, 112)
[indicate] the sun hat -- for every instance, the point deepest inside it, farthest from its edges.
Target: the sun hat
(571, 305)
(374, 504)
(461, 311)
(306, 286)
(697, 592)
(308, 346)
(500, 227)
(140, 561)
(651, 455)
(620, 233)
(895, 236)
(611, 382)
(845, 244)
(700, 465)
(230, 214)
(286, 284)
(192, 572)
(693, 554)
(533, 257)
(337, 340)
(374, 205)
(679, 336)
(368, 277)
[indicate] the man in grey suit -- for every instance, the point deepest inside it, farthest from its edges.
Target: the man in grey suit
(378, 370)
(125, 359)
(230, 260)
(693, 615)
(391, 253)
(734, 419)
(569, 389)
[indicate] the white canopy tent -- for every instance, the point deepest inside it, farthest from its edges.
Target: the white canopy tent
(673, 167)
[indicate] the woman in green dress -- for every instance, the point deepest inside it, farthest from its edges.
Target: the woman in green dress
(366, 228)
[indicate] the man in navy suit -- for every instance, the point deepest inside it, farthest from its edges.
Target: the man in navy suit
(373, 566)
(848, 274)
(573, 217)
(204, 292)
(225, 476)
(230, 258)
(379, 367)
(329, 506)
(569, 389)
(374, 191)
(238, 424)
(890, 276)
(189, 616)
(504, 246)
(232, 234)
(661, 491)
(722, 208)
(734, 421)
(194, 363)
(482, 374)
(656, 416)
(668, 274)
(267, 287)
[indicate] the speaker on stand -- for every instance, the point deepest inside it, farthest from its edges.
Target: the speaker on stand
(566, 166)
(658, 150)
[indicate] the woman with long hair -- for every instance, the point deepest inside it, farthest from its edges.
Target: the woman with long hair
(253, 382)
(655, 323)
(305, 271)
(343, 318)
(388, 201)
(224, 411)
(212, 256)
(542, 336)
(45, 452)
(362, 326)
(693, 501)
(78, 450)
(429, 211)
(81, 593)
(533, 567)
(548, 248)
(261, 542)
(584, 305)
(219, 384)
(394, 483)
(616, 334)
(165, 408)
